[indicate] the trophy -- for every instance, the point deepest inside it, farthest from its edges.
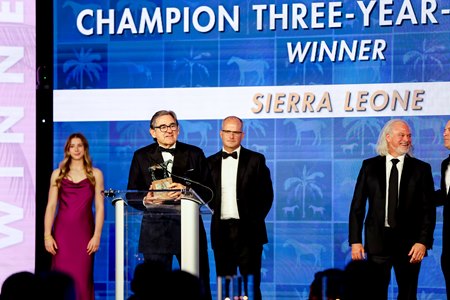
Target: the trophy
(160, 181)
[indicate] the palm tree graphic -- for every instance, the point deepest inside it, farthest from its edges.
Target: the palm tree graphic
(133, 133)
(357, 129)
(303, 184)
(192, 62)
(83, 65)
(420, 57)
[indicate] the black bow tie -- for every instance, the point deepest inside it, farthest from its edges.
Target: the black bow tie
(170, 150)
(232, 154)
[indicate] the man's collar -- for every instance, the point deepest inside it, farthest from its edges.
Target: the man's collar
(170, 150)
(401, 158)
(238, 150)
(171, 147)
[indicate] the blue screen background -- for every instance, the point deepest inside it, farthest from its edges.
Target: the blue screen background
(314, 162)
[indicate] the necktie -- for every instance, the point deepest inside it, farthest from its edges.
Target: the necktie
(170, 150)
(232, 154)
(393, 194)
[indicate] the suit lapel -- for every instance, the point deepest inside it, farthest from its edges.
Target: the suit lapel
(406, 172)
(444, 166)
(216, 173)
(216, 169)
(243, 161)
(180, 160)
(381, 170)
(443, 169)
(154, 156)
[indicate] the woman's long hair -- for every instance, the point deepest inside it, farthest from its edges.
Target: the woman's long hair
(64, 165)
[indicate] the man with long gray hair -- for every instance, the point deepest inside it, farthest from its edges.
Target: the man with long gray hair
(400, 219)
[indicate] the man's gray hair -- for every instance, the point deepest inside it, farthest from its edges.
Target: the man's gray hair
(162, 113)
(382, 145)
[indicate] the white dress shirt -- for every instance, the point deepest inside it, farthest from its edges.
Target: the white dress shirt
(229, 209)
(447, 178)
(167, 156)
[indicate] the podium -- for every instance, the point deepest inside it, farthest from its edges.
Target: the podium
(129, 208)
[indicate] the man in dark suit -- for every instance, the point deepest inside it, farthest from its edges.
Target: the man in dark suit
(160, 237)
(243, 198)
(443, 198)
(399, 225)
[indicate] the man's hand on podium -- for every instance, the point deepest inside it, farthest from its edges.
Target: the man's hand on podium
(176, 186)
(160, 198)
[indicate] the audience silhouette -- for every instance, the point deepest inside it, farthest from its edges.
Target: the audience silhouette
(55, 285)
(330, 282)
(151, 281)
(355, 282)
(50, 285)
(20, 285)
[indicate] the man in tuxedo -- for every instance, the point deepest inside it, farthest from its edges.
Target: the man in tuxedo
(160, 237)
(401, 215)
(243, 198)
(443, 198)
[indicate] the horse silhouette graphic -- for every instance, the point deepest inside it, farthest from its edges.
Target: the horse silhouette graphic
(348, 148)
(302, 249)
(290, 209)
(190, 128)
(317, 209)
(301, 126)
(250, 65)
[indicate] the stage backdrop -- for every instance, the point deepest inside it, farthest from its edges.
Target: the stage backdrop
(17, 136)
(313, 81)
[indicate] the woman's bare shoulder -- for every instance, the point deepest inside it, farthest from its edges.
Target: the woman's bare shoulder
(97, 172)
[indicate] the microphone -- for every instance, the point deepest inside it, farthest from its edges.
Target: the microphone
(160, 166)
(166, 163)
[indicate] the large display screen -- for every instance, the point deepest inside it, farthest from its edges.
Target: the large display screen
(314, 82)
(17, 137)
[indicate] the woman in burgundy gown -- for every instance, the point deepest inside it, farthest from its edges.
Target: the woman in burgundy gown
(71, 233)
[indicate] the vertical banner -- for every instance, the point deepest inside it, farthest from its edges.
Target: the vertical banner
(17, 137)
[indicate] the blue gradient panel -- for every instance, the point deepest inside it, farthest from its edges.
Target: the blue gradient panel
(314, 162)
(313, 183)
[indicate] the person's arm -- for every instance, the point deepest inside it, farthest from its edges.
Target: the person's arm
(99, 202)
(440, 196)
(52, 202)
(417, 253)
(427, 216)
(136, 181)
(358, 252)
(266, 188)
(357, 214)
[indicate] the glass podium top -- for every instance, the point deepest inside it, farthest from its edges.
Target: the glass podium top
(157, 200)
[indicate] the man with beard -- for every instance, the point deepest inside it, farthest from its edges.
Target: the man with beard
(400, 219)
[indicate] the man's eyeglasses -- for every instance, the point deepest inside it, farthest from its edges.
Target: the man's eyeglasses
(164, 127)
(230, 132)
